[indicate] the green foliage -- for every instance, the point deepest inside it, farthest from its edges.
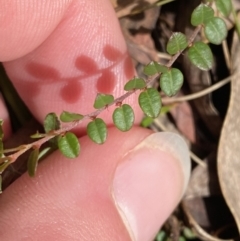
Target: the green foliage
(135, 84)
(189, 234)
(153, 68)
(51, 122)
(103, 100)
(161, 236)
(33, 162)
(150, 102)
(215, 30)
(123, 117)
(146, 121)
(69, 145)
(201, 56)
(171, 81)
(97, 131)
(201, 14)
(4, 165)
(224, 7)
(68, 117)
(1, 149)
(177, 43)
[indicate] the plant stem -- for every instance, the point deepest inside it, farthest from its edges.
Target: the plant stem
(198, 94)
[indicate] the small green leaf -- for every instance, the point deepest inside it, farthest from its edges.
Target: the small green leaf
(165, 109)
(123, 117)
(45, 152)
(150, 102)
(135, 84)
(38, 135)
(68, 117)
(51, 122)
(97, 131)
(215, 30)
(146, 121)
(33, 162)
(224, 7)
(201, 56)
(1, 149)
(171, 81)
(103, 100)
(153, 68)
(189, 234)
(201, 14)
(176, 43)
(4, 165)
(69, 145)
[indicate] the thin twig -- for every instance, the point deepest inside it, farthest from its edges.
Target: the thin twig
(226, 53)
(198, 94)
(192, 155)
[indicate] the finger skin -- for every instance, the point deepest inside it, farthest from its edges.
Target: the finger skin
(114, 191)
(24, 25)
(69, 199)
(84, 55)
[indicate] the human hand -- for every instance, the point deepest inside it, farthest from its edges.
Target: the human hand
(59, 54)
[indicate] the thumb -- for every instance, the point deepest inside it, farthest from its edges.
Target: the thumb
(123, 194)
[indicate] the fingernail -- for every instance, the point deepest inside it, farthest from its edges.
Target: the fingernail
(149, 183)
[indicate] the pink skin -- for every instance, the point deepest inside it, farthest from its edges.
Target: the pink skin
(59, 54)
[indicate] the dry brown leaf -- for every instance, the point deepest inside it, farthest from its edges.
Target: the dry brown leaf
(204, 180)
(229, 145)
(129, 7)
(197, 206)
(137, 33)
(184, 120)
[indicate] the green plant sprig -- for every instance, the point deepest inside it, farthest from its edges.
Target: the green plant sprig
(171, 80)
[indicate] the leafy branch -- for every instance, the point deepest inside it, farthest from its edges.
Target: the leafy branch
(58, 135)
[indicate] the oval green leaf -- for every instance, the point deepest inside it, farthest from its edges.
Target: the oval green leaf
(201, 56)
(69, 145)
(68, 117)
(146, 121)
(177, 42)
(135, 84)
(33, 162)
(150, 102)
(123, 117)
(224, 7)
(1, 149)
(51, 122)
(215, 30)
(97, 131)
(201, 14)
(153, 68)
(171, 82)
(103, 100)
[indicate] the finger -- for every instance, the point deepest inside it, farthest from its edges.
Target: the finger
(5, 118)
(84, 55)
(25, 25)
(122, 194)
